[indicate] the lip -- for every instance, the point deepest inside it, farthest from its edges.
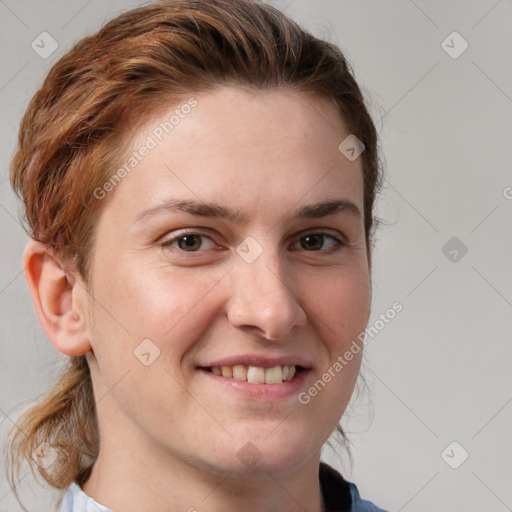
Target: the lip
(259, 360)
(259, 392)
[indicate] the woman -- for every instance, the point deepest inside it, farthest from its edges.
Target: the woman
(199, 180)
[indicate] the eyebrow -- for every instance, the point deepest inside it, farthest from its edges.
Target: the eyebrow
(208, 209)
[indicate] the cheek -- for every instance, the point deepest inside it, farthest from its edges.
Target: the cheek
(341, 306)
(167, 307)
(339, 310)
(171, 309)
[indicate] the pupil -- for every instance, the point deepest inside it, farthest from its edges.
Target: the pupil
(318, 238)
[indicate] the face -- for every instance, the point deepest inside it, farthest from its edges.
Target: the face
(176, 289)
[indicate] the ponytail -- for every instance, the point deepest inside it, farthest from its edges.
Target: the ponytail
(58, 436)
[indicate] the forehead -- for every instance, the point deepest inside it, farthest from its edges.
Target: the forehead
(255, 149)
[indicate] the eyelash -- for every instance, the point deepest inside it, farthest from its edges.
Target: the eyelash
(339, 244)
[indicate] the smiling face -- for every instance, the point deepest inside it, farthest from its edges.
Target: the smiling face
(278, 281)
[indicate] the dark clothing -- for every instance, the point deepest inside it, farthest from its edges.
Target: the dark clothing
(339, 495)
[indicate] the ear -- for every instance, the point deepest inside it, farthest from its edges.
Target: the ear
(59, 298)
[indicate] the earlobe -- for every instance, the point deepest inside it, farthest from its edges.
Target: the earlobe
(58, 298)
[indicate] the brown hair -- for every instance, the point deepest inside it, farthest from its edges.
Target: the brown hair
(75, 132)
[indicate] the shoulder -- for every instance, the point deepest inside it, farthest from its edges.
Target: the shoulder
(360, 505)
(75, 500)
(341, 495)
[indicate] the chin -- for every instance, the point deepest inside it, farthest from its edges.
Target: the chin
(272, 452)
(249, 460)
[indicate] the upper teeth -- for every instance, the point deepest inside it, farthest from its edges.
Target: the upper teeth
(256, 374)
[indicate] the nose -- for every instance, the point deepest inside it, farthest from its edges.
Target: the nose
(263, 299)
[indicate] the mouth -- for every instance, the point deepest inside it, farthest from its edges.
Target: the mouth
(256, 374)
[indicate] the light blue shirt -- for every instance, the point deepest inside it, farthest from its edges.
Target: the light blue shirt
(359, 505)
(75, 500)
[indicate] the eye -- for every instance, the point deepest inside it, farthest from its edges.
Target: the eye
(315, 241)
(188, 242)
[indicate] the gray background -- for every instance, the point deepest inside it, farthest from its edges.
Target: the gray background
(440, 371)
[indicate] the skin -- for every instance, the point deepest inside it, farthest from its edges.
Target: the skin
(169, 437)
